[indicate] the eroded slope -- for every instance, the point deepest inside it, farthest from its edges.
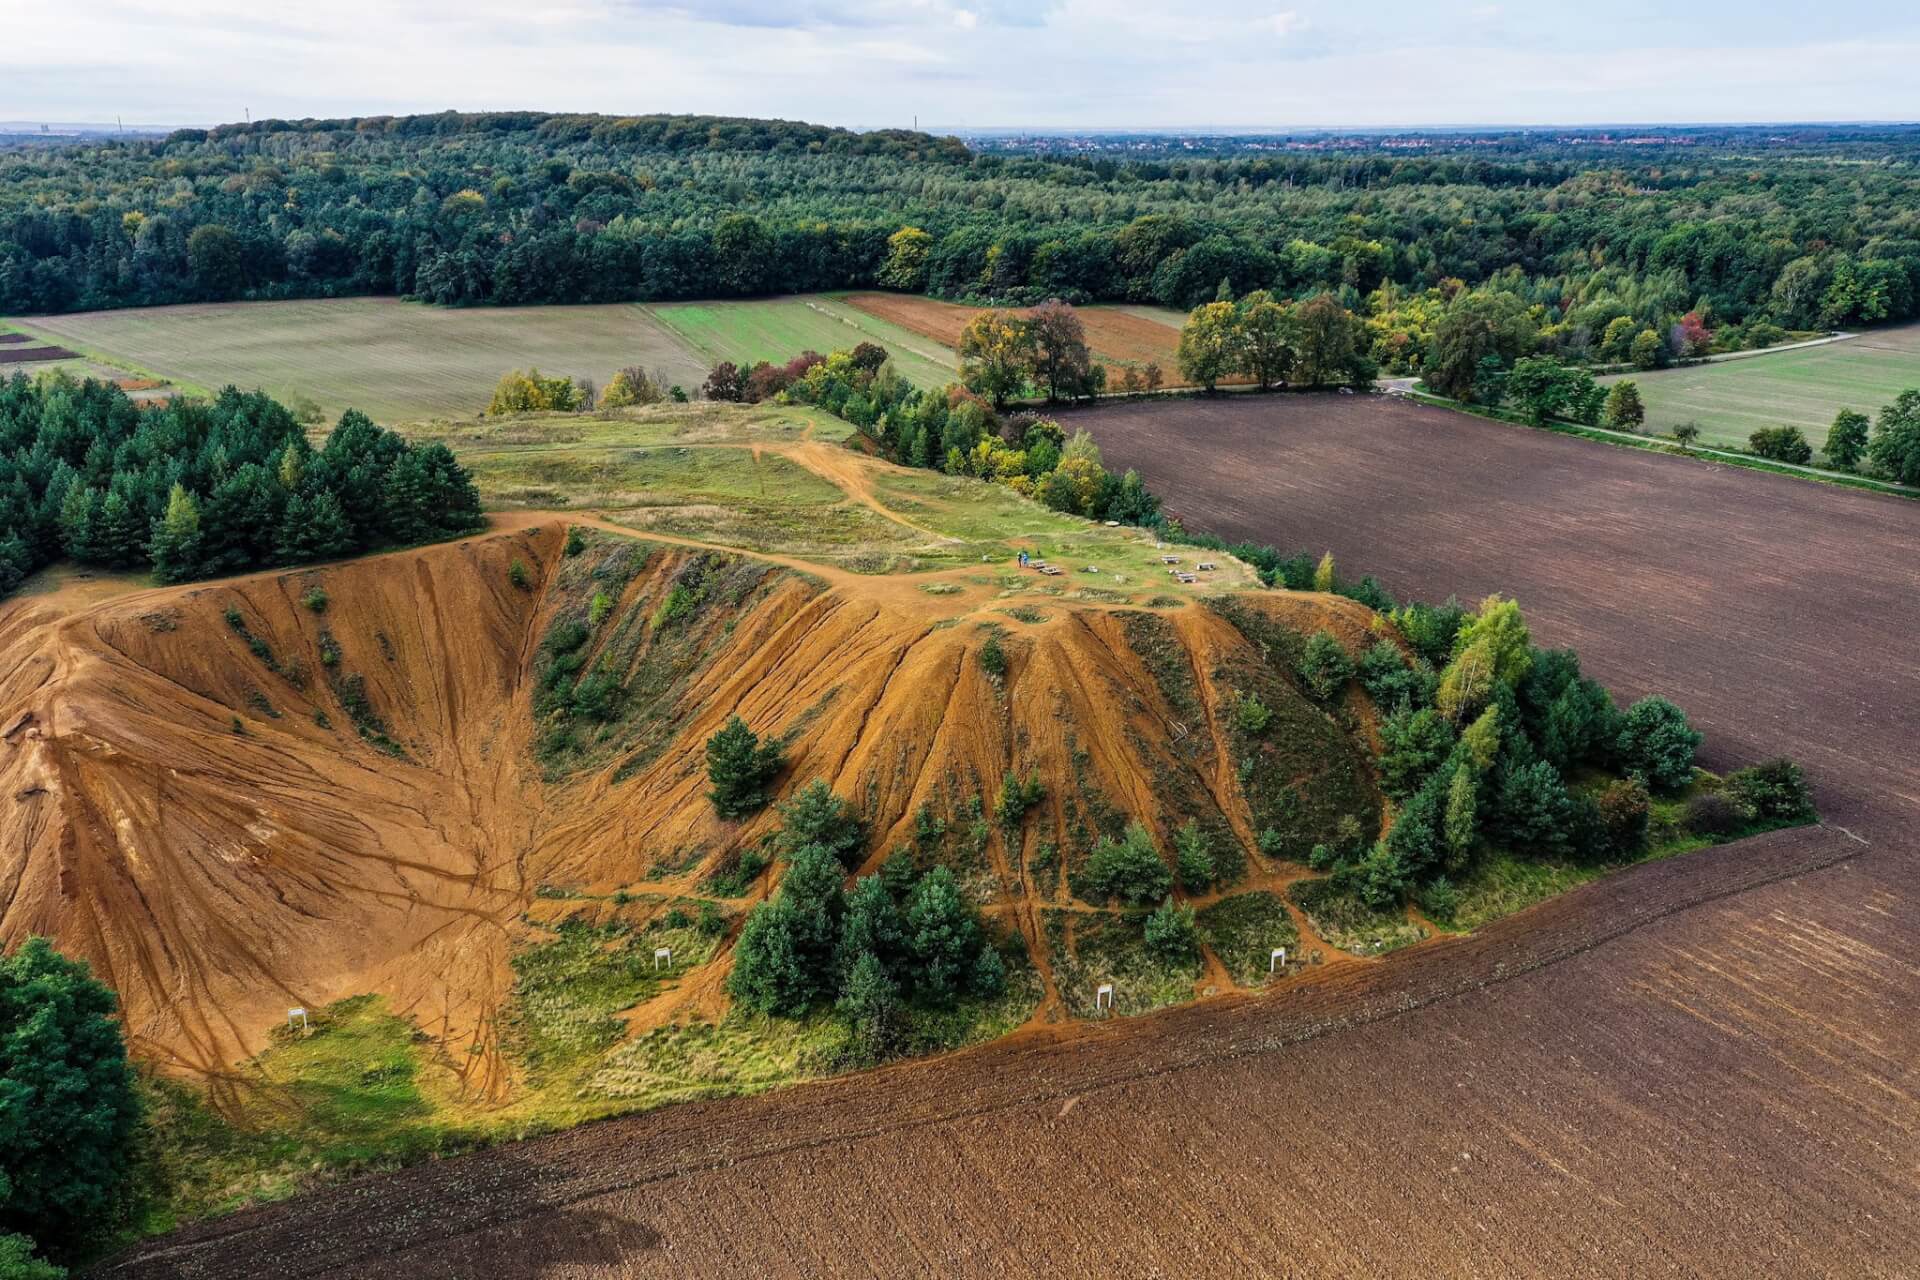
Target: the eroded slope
(240, 797)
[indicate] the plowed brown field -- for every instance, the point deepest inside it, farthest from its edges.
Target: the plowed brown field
(1118, 338)
(1705, 1067)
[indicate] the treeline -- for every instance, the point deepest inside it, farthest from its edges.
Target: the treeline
(1269, 341)
(512, 207)
(1886, 446)
(193, 488)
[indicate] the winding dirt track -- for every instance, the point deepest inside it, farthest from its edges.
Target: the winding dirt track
(1705, 1067)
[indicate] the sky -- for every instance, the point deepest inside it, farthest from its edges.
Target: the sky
(970, 64)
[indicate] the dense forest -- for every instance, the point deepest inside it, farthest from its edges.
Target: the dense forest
(1735, 229)
(197, 488)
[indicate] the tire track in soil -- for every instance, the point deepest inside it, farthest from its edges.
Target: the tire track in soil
(333, 1232)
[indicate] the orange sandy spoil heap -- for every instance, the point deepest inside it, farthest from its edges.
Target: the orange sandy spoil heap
(188, 804)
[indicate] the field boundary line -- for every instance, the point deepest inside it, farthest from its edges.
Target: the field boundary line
(1671, 448)
(508, 1190)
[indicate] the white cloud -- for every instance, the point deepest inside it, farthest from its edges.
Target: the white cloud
(1288, 23)
(877, 62)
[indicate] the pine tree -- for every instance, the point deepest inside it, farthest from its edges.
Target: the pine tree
(117, 540)
(740, 767)
(943, 938)
(1462, 824)
(406, 500)
(872, 924)
(175, 545)
(77, 514)
(1193, 857)
(332, 534)
(871, 1005)
(16, 562)
(294, 542)
(769, 974)
(817, 816)
(67, 1102)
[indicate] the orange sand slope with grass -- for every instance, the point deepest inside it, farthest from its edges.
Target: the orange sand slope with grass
(280, 790)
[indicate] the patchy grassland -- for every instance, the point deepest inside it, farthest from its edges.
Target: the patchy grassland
(1090, 948)
(395, 361)
(1731, 399)
(1244, 929)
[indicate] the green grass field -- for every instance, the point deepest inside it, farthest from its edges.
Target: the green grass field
(397, 361)
(777, 329)
(1732, 399)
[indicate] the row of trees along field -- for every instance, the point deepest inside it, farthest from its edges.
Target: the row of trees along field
(195, 488)
(1886, 445)
(1600, 253)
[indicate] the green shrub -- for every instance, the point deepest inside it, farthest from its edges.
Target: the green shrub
(1656, 742)
(17, 1261)
(517, 574)
(1383, 672)
(1129, 869)
(576, 543)
(993, 659)
(1193, 857)
(1714, 815)
(597, 697)
(598, 609)
(1782, 444)
(567, 636)
(1252, 715)
(315, 600)
(1171, 934)
(1431, 628)
(1625, 812)
(1776, 793)
(1016, 797)
(1324, 666)
(678, 604)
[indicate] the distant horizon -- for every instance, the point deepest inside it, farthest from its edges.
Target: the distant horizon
(29, 125)
(977, 65)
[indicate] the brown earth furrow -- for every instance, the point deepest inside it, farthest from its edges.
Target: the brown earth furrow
(497, 1188)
